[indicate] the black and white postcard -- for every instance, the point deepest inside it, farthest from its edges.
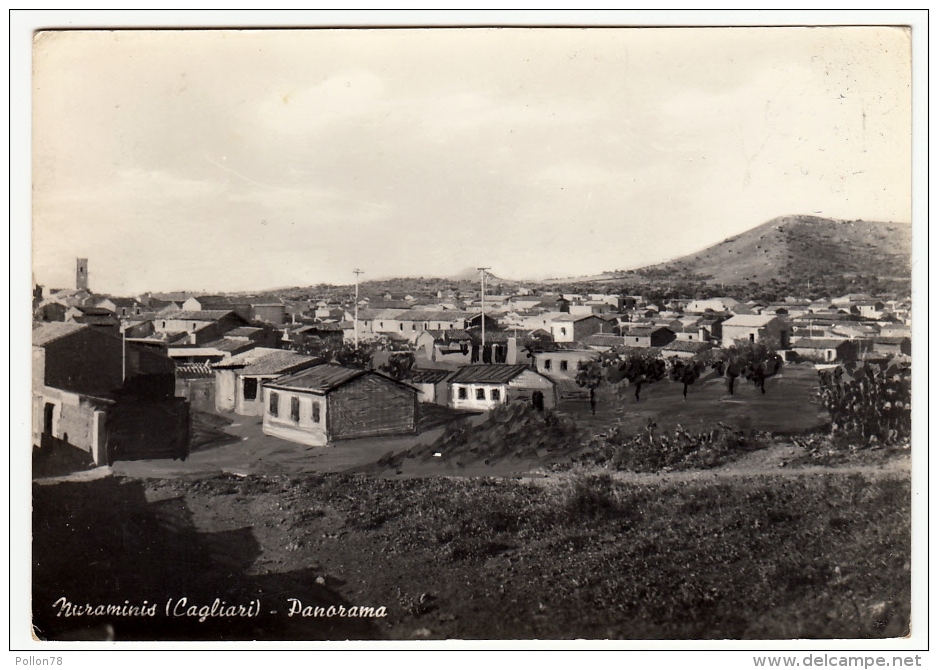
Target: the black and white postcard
(505, 333)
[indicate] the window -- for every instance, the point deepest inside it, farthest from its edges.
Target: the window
(547, 364)
(461, 392)
(636, 339)
(295, 408)
(316, 412)
(401, 326)
(563, 365)
(250, 388)
(496, 395)
(164, 324)
(480, 394)
(380, 325)
(752, 337)
(274, 403)
(413, 326)
(563, 331)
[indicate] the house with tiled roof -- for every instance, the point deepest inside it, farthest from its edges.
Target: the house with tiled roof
(238, 379)
(767, 329)
(575, 327)
(431, 385)
(712, 305)
(646, 336)
(604, 341)
(201, 326)
(204, 303)
(97, 317)
(483, 387)
(561, 362)
(122, 307)
(825, 349)
(329, 402)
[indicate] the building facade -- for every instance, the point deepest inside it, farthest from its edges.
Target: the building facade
(330, 402)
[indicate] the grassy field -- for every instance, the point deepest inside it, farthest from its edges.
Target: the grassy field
(808, 556)
(787, 407)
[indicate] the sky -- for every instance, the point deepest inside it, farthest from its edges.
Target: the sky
(248, 160)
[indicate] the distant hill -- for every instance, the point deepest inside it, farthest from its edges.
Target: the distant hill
(790, 255)
(794, 249)
(472, 275)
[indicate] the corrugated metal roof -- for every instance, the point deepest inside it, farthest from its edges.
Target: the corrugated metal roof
(488, 374)
(54, 330)
(322, 378)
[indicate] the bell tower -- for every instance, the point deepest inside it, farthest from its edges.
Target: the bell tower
(81, 274)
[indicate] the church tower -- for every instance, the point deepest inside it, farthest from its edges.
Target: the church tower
(81, 274)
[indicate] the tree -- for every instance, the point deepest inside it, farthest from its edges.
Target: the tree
(754, 361)
(590, 374)
(868, 402)
(342, 353)
(638, 366)
(686, 371)
(355, 357)
(400, 365)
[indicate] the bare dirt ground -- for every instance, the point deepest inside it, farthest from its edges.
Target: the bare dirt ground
(767, 546)
(749, 550)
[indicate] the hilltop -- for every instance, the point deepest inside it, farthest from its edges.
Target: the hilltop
(790, 255)
(796, 248)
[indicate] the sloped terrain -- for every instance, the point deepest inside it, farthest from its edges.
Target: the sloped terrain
(758, 557)
(799, 247)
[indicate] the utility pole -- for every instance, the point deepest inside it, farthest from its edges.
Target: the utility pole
(357, 272)
(123, 352)
(482, 273)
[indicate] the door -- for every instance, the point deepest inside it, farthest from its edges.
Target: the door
(48, 415)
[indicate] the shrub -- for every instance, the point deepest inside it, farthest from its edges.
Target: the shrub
(650, 451)
(868, 404)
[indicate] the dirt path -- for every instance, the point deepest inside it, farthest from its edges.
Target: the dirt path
(770, 462)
